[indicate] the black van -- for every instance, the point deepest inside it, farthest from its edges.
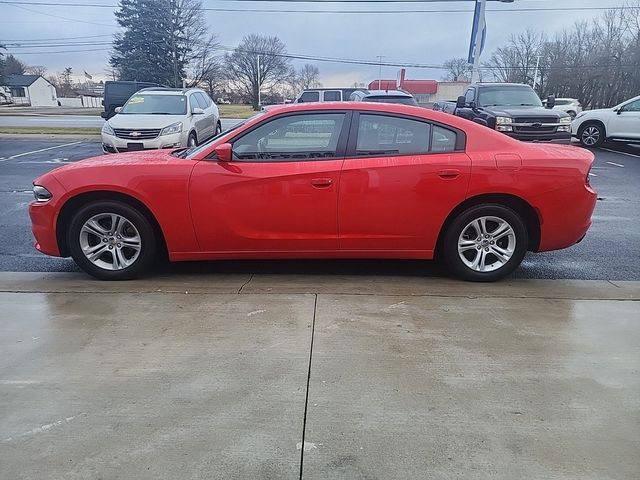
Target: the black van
(116, 94)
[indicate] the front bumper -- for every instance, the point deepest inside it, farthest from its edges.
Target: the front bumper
(113, 144)
(556, 137)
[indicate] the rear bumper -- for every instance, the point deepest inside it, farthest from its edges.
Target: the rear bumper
(566, 217)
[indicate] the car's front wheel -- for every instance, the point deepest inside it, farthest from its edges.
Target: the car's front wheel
(218, 128)
(591, 135)
(111, 240)
(485, 243)
(192, 141)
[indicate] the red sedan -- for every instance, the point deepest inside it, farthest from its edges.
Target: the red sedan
(341, 180)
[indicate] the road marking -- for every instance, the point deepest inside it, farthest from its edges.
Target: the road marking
(621, 153)
(42, 150)
(592, 175)
(616, 164)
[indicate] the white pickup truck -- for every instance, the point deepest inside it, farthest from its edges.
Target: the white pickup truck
(619, 123)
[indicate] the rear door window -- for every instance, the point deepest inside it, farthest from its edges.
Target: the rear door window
(202, 100)
(387, 135)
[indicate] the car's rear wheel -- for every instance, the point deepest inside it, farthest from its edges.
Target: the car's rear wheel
(192, 141)
(591, 135)
(485, 243)
(218, 128)
(111, 241)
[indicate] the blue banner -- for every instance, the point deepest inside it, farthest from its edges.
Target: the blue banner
(473, 50)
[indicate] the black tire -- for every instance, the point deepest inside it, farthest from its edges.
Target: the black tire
(148, 243)
(218, 129)
(192, 141)
(591, 135)
(461, 224)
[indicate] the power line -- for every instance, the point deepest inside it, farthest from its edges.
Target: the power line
(16, 3)
(358, 62)
(31, 40)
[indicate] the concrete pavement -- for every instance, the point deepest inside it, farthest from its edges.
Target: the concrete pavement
(226, 375)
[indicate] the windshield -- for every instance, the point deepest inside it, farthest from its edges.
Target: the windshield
(142, 104)
(402, 100)
(192, 152)
(508, 96)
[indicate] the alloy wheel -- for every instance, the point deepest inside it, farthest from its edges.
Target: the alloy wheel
(486, 244)
(590, 135)
(110, 241)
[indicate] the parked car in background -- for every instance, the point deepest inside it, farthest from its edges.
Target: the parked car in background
(571, 106)
(350, 180)
(619, 123)
(162, 118)
(5, 95)
(513, 109)
(325, 95)
(116, 94)
(383, 96)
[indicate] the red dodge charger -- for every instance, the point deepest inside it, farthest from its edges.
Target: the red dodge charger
(331, 180)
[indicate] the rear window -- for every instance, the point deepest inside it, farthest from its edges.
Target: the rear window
(332, 96)
(121, 89)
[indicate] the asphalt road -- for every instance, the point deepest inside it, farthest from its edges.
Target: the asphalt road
(69, 121)
(610, 251)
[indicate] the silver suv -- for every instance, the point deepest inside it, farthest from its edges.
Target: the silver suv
(158, 117)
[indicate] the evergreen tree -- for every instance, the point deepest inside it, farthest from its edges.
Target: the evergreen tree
(157, 41)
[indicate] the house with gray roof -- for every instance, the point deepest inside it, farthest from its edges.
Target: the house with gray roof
(34, 90)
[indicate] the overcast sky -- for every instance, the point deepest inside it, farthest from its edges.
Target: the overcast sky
(425, 38)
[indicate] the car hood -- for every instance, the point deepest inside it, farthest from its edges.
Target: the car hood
(526, 111)
(595, 111)
(143, 121)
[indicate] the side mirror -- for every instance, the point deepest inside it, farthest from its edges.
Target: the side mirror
(619, 110)
(461, 102)
(223, 152)
(118, 109)
(551, 101)
(197, 111)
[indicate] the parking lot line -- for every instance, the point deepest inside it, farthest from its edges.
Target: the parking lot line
(621, 153)
(42, 150)
(616, 164)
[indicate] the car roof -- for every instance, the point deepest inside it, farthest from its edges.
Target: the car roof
(500, 84)
(169, 91)
(388, 93)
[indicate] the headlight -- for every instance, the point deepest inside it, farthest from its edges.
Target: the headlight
(41, 194)
(503, 124)
(565, 120)
(107, 130)
(173, 128)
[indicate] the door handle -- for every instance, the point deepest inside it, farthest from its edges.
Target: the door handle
(321, 182)
(449, 173)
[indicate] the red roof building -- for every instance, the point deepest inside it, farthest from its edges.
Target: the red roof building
(424, 91)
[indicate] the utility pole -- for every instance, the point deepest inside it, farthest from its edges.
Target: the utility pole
(535, 74)
(380, 57)
(258, 78)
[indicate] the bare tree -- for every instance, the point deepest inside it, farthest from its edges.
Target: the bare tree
(206, 65)
(37, 70)
(516, 61)
(64, 85)
(258, 62)
(309, 77)
(457, 70)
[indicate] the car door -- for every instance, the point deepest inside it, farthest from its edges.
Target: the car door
(199, 120)
(626, 122)
(209, 114)
(280, 191)
(401, 178)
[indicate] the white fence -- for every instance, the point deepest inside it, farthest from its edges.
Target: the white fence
(81, 102)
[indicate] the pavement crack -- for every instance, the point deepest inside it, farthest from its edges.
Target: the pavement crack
(617, 286)
(245, 283)
(306, 399)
